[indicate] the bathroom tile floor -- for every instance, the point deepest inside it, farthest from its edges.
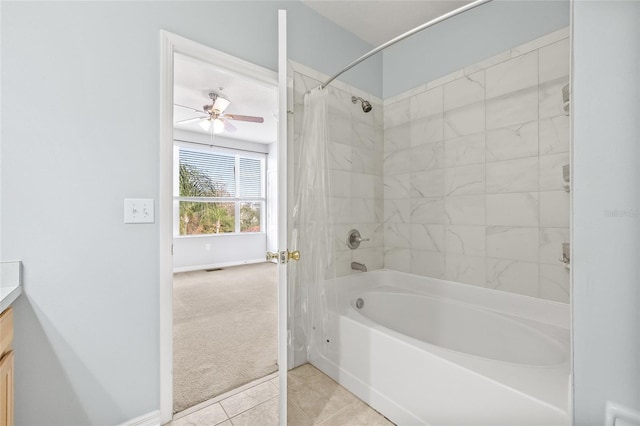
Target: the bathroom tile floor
(314, 399)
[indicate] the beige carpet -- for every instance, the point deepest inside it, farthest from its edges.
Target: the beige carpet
(224, 330)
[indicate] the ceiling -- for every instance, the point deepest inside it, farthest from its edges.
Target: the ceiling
(377, 22)
(194, 80)
(373, 21)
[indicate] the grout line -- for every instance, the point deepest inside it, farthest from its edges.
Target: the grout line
(251, 408)
(301, 411)
(225, 412)
(326, 421)
(201, 406)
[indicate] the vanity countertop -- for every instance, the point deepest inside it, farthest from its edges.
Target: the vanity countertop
(10, 283)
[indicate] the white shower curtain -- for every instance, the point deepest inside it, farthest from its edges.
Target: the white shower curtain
(311, 228)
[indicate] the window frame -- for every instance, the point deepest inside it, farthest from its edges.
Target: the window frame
(236, 199)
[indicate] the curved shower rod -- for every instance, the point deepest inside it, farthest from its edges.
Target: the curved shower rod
(405, 35)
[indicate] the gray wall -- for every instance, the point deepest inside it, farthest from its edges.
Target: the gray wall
(606, 207)
(80, 132)
(468, 38)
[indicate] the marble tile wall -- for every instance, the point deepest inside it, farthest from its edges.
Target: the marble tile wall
(473, 187)
(355, 170)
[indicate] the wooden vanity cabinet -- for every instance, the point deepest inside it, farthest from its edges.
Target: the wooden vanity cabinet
(6, 368)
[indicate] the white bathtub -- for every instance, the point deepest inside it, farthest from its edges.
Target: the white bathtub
(424, 351)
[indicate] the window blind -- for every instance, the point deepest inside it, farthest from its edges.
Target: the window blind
(250, 178)
(219, 168)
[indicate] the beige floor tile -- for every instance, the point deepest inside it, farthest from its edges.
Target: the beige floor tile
(314, 399)
(208, 416)
(302, 374)
(295, 416)
(301, 377)
(357, 414)
(320, 397)
(276, 382)
(264, 414)
(325, 385)
(243, 401)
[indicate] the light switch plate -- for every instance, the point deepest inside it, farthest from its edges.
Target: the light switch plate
(138, 210)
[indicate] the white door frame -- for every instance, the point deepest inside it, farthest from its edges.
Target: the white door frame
(283, 240)
(171, 44)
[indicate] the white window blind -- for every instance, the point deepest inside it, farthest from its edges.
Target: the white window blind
(220, 168)
(219, 192)
(250, 178)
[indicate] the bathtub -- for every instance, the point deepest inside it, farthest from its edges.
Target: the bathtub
(425, 351)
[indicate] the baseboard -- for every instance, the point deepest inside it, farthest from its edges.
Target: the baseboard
(217, 265)
(149, 419)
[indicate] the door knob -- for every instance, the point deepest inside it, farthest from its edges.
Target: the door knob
(293, 255)
(283, 256)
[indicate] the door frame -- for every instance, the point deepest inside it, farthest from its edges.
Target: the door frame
(170, 44)
(283, 214)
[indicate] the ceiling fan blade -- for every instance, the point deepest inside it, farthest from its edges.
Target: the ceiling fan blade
(228, 127)
(191, 120)
(190, 108)
(248, 118)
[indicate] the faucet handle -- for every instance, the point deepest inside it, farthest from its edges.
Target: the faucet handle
(354, 239)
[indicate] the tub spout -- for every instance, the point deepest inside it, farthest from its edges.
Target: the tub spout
(357, 266)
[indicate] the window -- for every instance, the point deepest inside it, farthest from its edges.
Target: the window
(218, 192)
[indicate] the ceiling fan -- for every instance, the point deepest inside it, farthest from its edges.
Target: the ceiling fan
(214, 117)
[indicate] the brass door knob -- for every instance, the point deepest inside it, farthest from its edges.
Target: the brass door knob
(272, 256)
(293, 255)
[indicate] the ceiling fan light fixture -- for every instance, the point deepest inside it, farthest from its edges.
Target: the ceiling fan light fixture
(219, 103)
(218, 126)
(205, 124)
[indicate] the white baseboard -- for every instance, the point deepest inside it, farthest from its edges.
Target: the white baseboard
(217, 265)
(149, 419)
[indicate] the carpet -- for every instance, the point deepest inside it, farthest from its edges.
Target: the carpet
(224, 330)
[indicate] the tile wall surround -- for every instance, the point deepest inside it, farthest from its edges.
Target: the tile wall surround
(472, 173)
(355, 167)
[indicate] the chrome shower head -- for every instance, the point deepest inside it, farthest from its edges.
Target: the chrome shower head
(366, 106)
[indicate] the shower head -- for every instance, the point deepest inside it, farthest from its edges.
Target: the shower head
(366, 106)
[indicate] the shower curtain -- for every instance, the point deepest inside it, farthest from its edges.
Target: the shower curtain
(311, 233)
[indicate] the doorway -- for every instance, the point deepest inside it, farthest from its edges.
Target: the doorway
(226, 136)
(225, 331)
